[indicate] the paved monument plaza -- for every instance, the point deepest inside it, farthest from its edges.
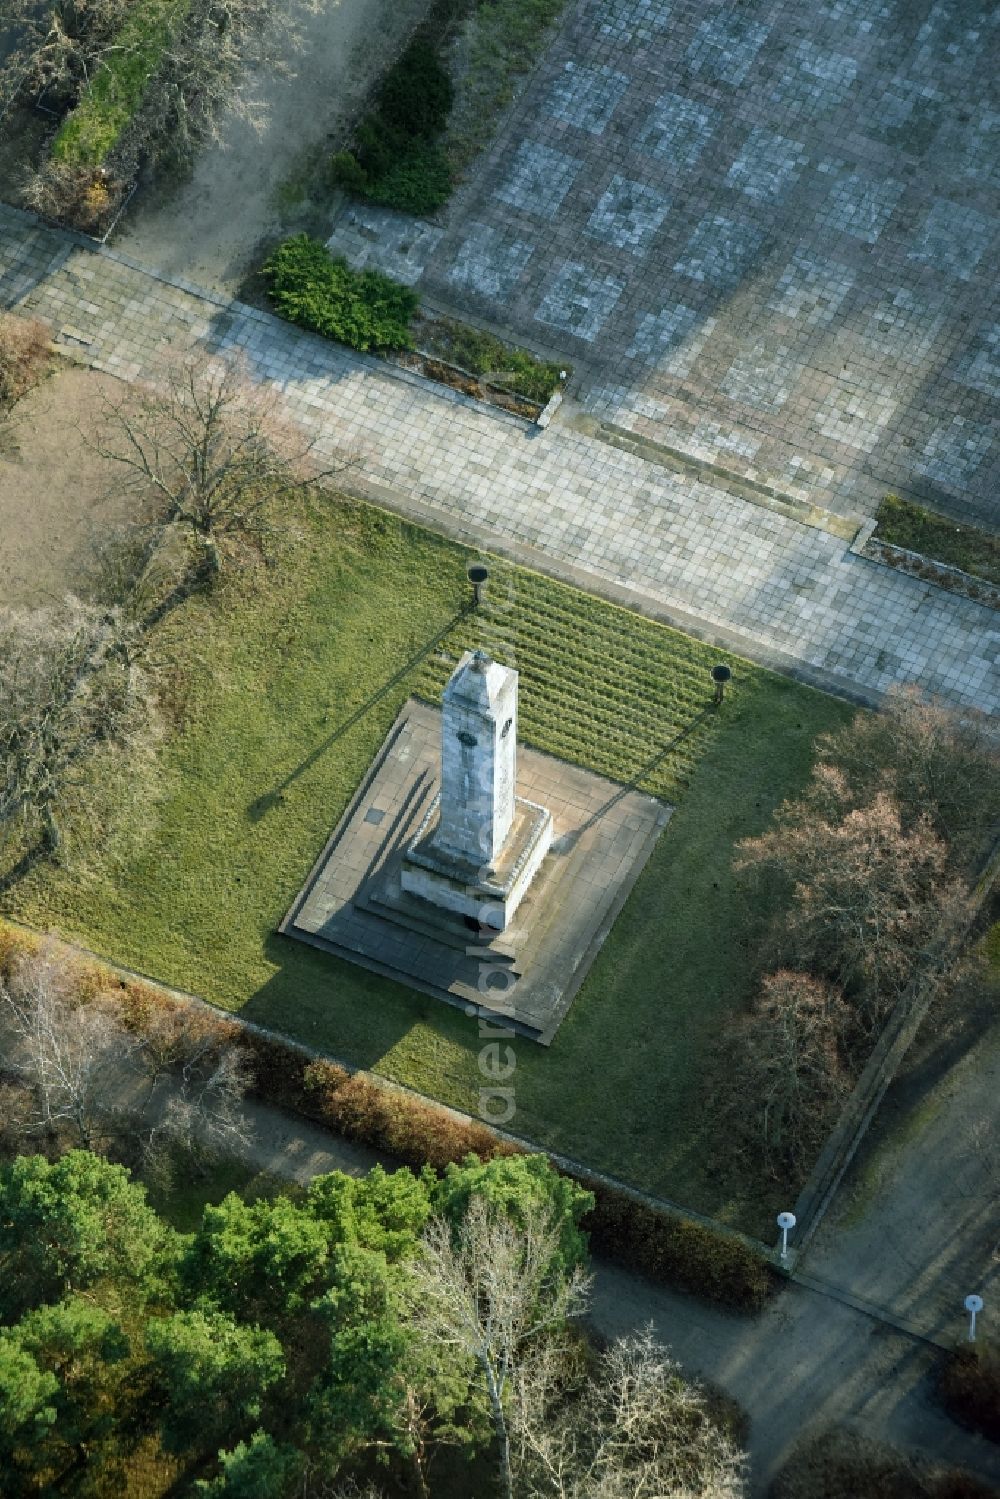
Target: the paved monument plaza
(482, 873)
(765, 234)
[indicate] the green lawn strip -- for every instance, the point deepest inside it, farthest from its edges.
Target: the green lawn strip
(242, 796)
(935, 536)
(116, 91)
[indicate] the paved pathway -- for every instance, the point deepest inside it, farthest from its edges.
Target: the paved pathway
(765, 234)
(676, 544)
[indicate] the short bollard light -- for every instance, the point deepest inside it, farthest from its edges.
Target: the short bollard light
(478, 576)
(973, 1305)
(786, 1222)
(720, 676)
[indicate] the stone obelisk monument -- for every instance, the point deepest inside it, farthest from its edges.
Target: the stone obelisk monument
(480, 845)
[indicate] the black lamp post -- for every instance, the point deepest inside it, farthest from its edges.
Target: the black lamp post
(720, 676)
(478, 575)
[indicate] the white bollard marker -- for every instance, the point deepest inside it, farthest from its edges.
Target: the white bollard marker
(973, 1304)
(786, 1221)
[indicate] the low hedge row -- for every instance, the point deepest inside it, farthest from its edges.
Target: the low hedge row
(319, 291)
(665, 1246)
(843, 1464)
(969, 1388)
(680, 1252)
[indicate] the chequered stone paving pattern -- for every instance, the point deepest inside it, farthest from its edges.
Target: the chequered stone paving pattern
(781, 589)
(775, 219)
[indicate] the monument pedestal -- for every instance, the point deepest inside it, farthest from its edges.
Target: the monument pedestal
(488, 895)
(353, 905)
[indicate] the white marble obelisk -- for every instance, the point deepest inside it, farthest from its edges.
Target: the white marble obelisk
(478, 759)
(480, 845)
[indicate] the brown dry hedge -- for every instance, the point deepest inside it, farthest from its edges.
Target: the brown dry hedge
(663, 1245)
(841, 1464)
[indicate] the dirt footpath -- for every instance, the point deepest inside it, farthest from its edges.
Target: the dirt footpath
(52, 488)
(243, 188)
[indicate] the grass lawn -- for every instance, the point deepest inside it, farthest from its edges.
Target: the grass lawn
(286, 684)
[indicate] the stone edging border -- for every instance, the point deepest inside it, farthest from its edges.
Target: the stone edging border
(929, 570)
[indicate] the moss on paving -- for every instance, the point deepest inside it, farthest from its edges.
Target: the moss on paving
(292, 680)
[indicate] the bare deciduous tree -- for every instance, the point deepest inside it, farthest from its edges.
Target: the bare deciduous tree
(69, 1054)
(871, 901)
(786, 1072)
(69, 683)
(938, 763)
(492, 1291)
(87, 1070)
(201, 1111)
(211, 455)
(633, 1428)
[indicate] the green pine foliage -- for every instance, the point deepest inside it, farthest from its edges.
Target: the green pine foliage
(284, 1338)
(396, 158)
(319, 291)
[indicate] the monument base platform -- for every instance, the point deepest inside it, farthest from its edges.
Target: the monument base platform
(489, 896)
(354, 905)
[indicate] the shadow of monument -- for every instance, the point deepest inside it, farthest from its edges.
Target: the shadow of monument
(273, 798)
(568, 841)
(391, 1009)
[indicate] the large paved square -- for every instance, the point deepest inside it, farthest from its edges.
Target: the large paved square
(764, 222)
(352, 905)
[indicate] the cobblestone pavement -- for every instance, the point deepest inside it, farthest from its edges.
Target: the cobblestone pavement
(765, 235)
(671, 542)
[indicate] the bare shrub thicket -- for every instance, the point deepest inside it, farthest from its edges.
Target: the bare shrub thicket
(58, 48)
(24, 353)
(90, 1076)
(62, 47)
(70, 685)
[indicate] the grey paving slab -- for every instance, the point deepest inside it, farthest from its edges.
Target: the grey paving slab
(683, 184)
(671, 541)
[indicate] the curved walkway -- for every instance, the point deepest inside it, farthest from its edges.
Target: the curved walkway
(788, 593)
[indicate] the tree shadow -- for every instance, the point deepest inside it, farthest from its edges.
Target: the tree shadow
(273, 798)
